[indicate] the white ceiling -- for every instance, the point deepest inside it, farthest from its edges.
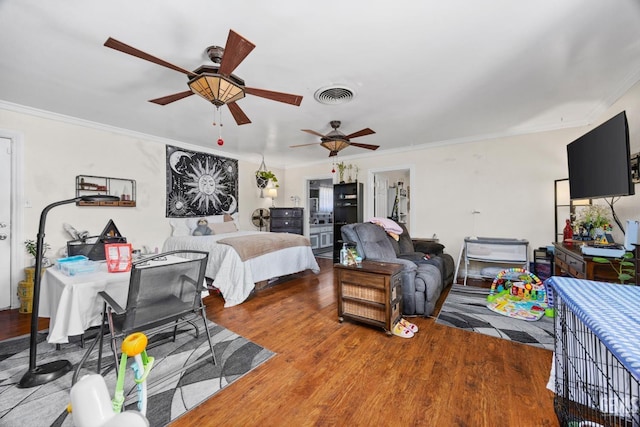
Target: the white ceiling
(423, 72)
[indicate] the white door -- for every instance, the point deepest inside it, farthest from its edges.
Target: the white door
(380, 196)
(5, 223)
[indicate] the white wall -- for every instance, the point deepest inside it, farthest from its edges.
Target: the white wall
(55, 151)
(510, 181)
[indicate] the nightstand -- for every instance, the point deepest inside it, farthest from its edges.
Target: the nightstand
(371, 293)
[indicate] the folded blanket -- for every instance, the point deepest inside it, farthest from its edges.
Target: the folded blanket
(391, 227)
(259, 244)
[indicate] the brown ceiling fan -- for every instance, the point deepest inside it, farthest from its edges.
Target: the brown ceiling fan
(215, 83)
(335, 140)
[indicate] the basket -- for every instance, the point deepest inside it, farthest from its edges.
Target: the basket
(25, 305)
(364, 310)
(25, 289)
(362, 292)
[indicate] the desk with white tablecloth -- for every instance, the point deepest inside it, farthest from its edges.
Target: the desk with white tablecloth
(72, 302)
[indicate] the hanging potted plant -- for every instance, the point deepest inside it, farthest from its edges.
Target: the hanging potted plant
(263, 177)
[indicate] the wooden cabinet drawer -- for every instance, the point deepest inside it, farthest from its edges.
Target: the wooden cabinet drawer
(286, 212)
(285, 223)
(571, 265)
(361, 278)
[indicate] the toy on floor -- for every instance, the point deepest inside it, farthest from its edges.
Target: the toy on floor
(518, 293)
(90, 402)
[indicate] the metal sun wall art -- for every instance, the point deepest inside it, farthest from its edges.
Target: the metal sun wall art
(200, 184)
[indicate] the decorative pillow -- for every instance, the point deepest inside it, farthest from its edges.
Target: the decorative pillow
(202, 229)
(179, 227)
(192, 223)
(224, 227)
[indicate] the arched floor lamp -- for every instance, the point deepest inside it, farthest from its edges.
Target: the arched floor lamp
(42, 374)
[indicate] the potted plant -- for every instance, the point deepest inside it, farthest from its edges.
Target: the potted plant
(341, 167)
(31, 247)
(624, 268)
(264, 176)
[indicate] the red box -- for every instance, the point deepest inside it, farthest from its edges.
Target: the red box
(118, 256)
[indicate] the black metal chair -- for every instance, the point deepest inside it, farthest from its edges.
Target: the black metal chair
(164, 291)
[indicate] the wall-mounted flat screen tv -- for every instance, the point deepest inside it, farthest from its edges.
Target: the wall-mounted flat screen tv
(599, 161)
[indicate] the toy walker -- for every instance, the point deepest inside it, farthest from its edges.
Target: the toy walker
(518, 293)
(90, 402)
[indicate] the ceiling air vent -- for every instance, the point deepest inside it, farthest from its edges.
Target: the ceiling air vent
(334, 95)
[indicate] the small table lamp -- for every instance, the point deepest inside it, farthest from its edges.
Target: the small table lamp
(273, 193)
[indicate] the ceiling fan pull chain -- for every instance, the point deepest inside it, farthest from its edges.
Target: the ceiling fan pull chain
(220, 140)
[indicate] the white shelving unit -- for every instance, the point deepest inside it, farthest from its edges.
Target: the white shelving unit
(506, 253)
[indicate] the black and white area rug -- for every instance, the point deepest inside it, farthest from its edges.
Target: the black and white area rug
(465, 308)
(46, 405)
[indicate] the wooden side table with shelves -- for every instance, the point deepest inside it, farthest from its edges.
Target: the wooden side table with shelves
(371, 293)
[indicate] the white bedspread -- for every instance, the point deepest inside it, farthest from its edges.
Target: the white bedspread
(236, 279)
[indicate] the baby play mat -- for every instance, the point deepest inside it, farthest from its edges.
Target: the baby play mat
(518, 293)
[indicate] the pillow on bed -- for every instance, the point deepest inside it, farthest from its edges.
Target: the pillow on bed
(179, 227)
(192, 223)
(224, 227)
(186, 226)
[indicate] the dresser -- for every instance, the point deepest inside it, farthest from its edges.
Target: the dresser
(287, 220)
(569, 260)
(371, 293)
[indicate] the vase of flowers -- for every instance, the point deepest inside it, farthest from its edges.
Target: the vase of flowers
(593, 220)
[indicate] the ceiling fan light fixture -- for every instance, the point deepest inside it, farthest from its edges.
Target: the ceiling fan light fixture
(334, 145)
(216, 89)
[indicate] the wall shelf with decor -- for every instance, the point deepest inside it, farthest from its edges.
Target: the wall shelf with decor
(124, 189)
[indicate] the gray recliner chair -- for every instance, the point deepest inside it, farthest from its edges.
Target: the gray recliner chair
(424, 251)
(422, 284)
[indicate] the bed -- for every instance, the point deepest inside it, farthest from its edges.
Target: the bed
(235, 275)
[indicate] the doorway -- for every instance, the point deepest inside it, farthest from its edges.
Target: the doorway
(391, 189)
(320, 219)
(12, 252)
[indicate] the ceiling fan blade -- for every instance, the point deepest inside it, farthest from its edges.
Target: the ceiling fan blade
(362, 132)
(171, 98)
(367, 146)
(236, 49)
(287, 98)
(125, 48)
(313, 132)
(239, 116)
(303, 145)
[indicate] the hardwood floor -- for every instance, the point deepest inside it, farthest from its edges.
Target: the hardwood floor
(328, 373)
